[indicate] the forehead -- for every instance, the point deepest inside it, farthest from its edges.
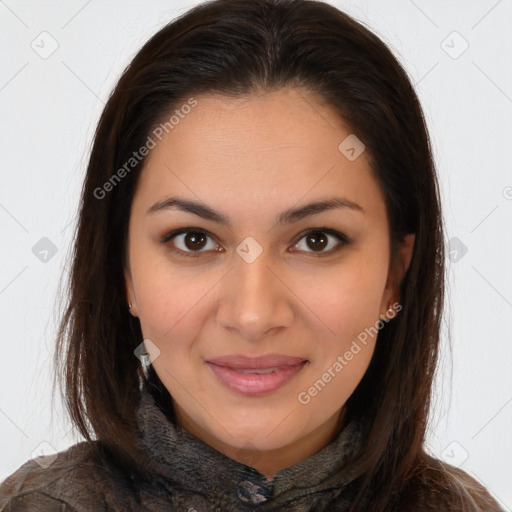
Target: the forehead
(258, 153)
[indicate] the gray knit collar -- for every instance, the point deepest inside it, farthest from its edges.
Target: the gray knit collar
(186, 462)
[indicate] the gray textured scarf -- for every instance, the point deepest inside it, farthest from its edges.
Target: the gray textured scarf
(201, 479)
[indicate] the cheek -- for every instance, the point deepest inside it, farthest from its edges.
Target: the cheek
(348, 300)
(170, 298)
(168, 308)
(349, 309)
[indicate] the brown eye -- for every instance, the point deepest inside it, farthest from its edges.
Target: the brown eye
(194, 240)
(317, 241)
(190, 242)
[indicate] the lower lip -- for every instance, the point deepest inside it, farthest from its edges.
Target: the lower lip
(255, 384)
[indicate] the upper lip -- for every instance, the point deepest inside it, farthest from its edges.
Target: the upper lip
(241, 362)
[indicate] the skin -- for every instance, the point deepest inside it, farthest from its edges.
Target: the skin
(251, 158)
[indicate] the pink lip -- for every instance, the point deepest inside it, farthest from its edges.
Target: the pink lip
(229, 371)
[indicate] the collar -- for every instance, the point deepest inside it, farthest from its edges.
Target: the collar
(186, 462)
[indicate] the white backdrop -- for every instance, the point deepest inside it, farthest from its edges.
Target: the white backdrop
(59, 62)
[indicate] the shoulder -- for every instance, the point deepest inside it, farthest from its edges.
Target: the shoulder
(438, 486)
(77, 480)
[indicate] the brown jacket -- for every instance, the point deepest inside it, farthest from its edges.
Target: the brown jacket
(193, 477)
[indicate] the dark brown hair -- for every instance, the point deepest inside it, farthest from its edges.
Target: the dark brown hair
(235, 47)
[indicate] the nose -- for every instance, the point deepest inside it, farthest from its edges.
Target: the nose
(255, 299)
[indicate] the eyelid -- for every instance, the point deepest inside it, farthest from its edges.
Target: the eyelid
(341, 237)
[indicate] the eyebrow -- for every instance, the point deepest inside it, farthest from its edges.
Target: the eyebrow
(287, 217)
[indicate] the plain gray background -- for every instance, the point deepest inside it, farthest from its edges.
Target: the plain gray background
(60, 61)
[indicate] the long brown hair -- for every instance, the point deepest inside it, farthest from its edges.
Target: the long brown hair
(233, 47)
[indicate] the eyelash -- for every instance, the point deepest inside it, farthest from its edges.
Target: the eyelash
(194, 254)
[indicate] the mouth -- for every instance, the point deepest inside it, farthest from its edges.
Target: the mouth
(256, 376)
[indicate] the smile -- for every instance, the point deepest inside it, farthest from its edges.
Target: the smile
(257, 380)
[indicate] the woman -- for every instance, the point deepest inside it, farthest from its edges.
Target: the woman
(257, 281)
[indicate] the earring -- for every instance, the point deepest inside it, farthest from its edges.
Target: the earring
(129, 305)
(389, 315)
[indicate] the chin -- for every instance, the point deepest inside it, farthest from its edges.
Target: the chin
(263, 435)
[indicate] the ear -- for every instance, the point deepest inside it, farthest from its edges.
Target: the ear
(130, 293)
(398, 267)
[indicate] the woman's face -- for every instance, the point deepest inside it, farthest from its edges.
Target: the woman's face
(283, 299)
